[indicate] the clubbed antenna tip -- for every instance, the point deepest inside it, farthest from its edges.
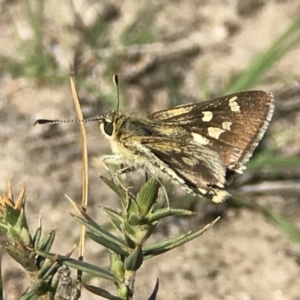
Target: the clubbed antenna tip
(116, 83)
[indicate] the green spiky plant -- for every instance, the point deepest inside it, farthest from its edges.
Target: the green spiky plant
(127, 250)
(22, 246)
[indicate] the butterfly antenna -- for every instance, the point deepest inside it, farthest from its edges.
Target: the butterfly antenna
(47, 121)
(116, 83)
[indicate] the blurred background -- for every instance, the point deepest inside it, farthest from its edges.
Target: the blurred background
(166, 53)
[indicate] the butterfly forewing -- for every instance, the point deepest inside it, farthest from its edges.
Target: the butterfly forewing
(231, 126)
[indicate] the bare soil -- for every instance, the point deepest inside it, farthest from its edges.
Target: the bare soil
(196, 46)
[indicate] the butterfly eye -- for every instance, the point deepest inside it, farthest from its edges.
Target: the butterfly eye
(108, 128)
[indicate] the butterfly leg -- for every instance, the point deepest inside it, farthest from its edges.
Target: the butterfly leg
(125, 170)
(164, 191)
(112, 159)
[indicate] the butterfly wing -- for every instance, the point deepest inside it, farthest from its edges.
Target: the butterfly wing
(196, 168)
(231, 125)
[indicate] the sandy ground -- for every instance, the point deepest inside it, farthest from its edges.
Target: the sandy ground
(199, 44)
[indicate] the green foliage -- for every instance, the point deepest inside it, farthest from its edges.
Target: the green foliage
(262, 63)
(284, 225)
(128, 250)
(140, 30)
(34, 60)
(22, 246)
(271, 162)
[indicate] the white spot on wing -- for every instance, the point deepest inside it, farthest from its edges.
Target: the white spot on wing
(215, 132)
(199, 139)
(226, 125)
(241, 169)
(220, 196)
(202, 191)
(233, 104)
(207, 116)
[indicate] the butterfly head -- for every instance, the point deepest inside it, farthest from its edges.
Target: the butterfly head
(109, 123)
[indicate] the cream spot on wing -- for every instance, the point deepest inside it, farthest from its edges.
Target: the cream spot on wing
(181, 109)
(220, 196)
(220, 185)
(199, 139)
(233, 104)
(226, 125)
(202, 191)
(207, 116)
(175, 111)
(241, 170)
(215, 132)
